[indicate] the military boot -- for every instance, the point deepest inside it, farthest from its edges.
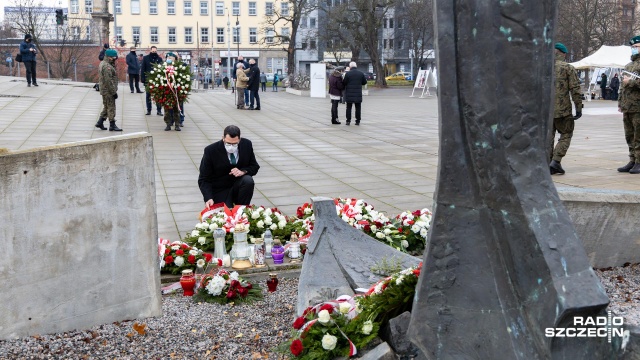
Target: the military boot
(635, 169)
(178, 127)
(627, 167)
(113, 127)
(556, 168)
(100, 125)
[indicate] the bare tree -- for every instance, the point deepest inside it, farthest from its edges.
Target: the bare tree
(416, 18)
(30, 19)
(336, 38)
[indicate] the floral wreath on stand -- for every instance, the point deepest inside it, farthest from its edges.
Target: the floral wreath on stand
(169, 84)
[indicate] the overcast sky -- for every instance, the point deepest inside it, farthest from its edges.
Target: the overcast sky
(51, 3)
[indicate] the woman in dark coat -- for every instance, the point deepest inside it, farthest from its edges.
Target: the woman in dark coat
(335, 91)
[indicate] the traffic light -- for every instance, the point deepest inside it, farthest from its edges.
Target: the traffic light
(59, 17)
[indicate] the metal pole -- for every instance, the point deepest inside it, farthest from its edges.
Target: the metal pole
(115, 21)
(228, 46)
(75, 71)
(211, 39)
(48, 70)
(18, 69)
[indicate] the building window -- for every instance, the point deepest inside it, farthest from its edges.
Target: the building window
(268, 9)
(312, 23)
(303, 22)
(236, 35)
(220, 35)
(385, 23)
(312, 44)
(204, 34)
(391, 23)
(88, 7)
(284, 33)
(204, 7)
(219, 8)
(384, 43)
(284, 9)
(88, 37)
(270, 34)
(153, 7)
(119, 33)
(253, 9)
(402, 67)
(253, 35)
(75, 33)
(154, 35)
(235, 8)
(188, 35)
(135, 7)
(400, 44)
(172, 35)
(171, 7)
(118, 6)
(390, 43)
(400, 24)
(187, 7)
(74, 6)
(304, 45)
(136, 34)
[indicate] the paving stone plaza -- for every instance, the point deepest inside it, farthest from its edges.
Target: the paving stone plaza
(390, 160)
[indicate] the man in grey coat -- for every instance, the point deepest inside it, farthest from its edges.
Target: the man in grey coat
(353, 81)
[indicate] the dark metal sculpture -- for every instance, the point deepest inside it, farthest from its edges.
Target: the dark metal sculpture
(503, 260)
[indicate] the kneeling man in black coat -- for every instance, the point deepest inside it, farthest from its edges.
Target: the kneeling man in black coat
(227, 170)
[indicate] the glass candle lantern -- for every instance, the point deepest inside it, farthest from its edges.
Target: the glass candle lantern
(188, 282)
(258, 257)
(294, 248)
(277, 251)
(268, 244)
(241, 251)
(272, 282)
(219, 241)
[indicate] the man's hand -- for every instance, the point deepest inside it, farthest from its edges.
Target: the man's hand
(578, 115)
(209, 203)
(236, 172)
(115, 96)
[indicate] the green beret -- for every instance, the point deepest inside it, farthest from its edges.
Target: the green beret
(171, 54)
(562, 48)
(634, 40)
(111, 53)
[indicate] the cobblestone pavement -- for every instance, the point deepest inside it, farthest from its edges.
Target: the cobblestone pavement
(390, 160)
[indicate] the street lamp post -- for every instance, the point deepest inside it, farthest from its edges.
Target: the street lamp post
(228, 45)
(211, 39)
(238, 32)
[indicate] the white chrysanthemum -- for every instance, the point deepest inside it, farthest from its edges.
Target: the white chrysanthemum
(368, 208)
(423, 232)
(380, 235)
(405, 244)
(175, 247)
(179, 261)
(193, 252)
(202, 240)
(268, 221)
(421, 223)
(387, 231)
(415, 228)
(195, 233)
(215, 286)
(200, 263)
(255, 215)
(374, 228)
(268, 211)
(234, 275)
(282, 224)
(260, 224)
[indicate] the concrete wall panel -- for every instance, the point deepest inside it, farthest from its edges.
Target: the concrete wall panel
(78, 229)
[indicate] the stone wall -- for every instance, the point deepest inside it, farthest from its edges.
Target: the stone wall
(78, 231)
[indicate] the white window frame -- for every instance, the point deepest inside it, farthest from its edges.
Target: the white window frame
(188, 10)
(204, 30)
(119, 33)
(235, 8)
(74, 5)
(75, 32)
(118, 6)
(88, 30)
(219, 8)
(135, 7)
(153, 7)
(253, 35)
(269, 34)
(285, 34)
(303, 22)
(268, 8)
(188, 35)
(171, 29)
(88, 6)
(220, 35)
(284, 9)
(313, 23)
(153, 32)
(171, 7)
(204, 5)
(236, 35)
(253, 8)
(135, 33)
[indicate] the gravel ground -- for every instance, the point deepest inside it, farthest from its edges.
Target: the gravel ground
(623, 288)
(189, 330)
(186, 330)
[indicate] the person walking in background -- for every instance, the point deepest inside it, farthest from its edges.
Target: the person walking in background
(353, 82)
(274, 87)
(241, 85)
(147, 66)
(28, 52)
(614, 85)
(109, 90)
(335, 93)
(133, 69)
(629, 106)
(603, 86)
(567, 89)
(263, 81)
(254, 84)
(225, 81)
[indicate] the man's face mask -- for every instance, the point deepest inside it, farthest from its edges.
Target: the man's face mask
(230, 147)
(634, 51)
(169, 61)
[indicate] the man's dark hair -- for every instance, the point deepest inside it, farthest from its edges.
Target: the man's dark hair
(154, 47)
(231, 130)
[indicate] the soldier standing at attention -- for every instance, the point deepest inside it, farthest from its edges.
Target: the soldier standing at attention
(629, 106)
(109, 90)
(563, 121)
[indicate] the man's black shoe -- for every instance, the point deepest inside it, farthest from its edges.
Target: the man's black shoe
(132, 91)
(28, 85)
(178, 128)
(168, 128)
(139, 92)
(250, 108)
(335, 122)
(100, 124)
(357, 122)
(635, 169)
(34, 84)
(348, 123)
(113, 127)
(257, 108)
(148, 112)
(159, 113)
(555, 166)
(627, 167)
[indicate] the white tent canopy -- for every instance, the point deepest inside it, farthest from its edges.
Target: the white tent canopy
(606, 57)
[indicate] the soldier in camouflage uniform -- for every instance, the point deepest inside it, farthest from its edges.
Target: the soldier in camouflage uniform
(629, 105)
(567, 83)
(108, 81)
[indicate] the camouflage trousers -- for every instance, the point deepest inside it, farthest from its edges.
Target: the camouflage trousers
(108, 108)
(564, 126)
(172, 116)
(632, 134)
